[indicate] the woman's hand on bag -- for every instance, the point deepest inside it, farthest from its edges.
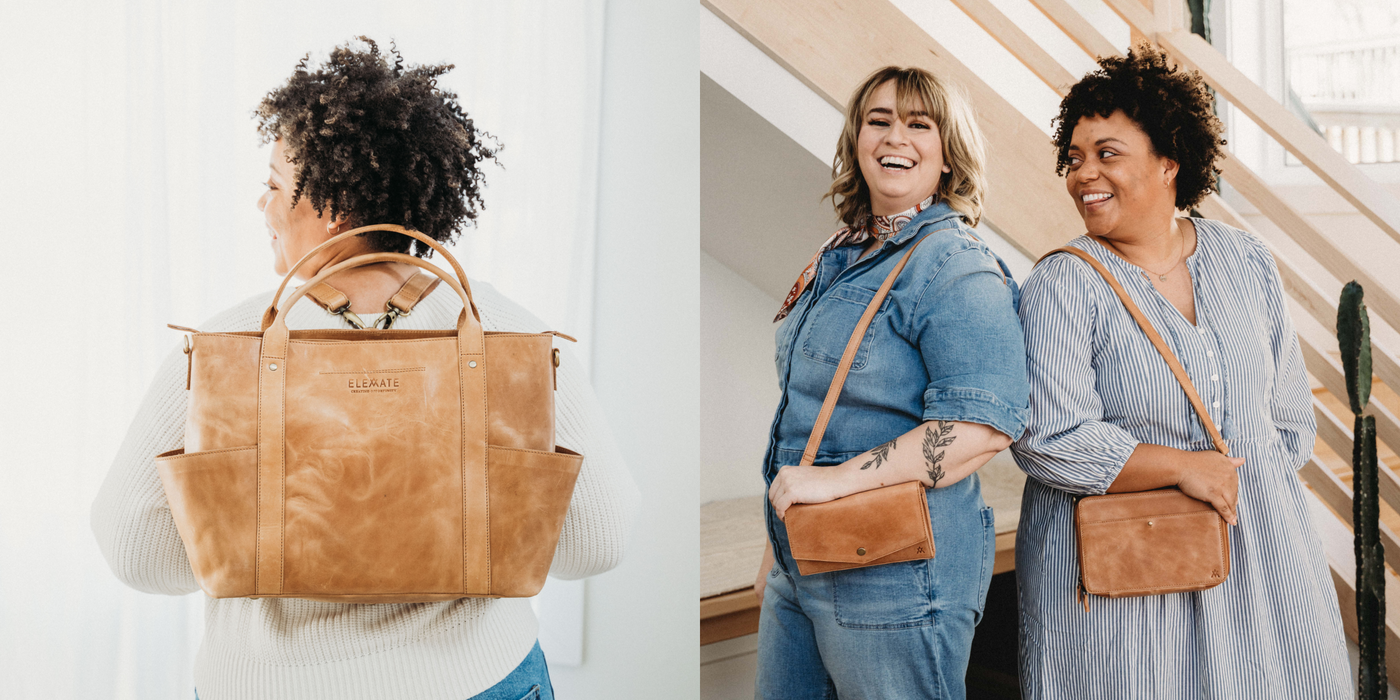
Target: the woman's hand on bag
(797, 484)
(1212, 477)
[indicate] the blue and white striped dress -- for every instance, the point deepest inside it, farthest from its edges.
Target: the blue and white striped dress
(1098, 388)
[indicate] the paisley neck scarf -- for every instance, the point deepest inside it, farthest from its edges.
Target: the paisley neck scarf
(880, 228)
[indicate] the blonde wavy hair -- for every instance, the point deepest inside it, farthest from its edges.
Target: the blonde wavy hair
(963, 151)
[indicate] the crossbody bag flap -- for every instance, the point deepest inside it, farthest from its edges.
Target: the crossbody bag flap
(860, 528)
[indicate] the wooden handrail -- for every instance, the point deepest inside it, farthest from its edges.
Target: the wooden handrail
(1139, 18)
(1339, 437)
(1020, 44)
(1343, 266)
(1338, 497)
(1078, 29)
(1329, 372)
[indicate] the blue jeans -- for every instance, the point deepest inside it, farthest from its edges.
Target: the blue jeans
(529, 681)
(900, 630)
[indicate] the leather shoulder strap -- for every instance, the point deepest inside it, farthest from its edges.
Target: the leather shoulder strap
(412, 292)
(403, 301)
(400, 304)
(1157, 342)
(814, 441)
(329, 298)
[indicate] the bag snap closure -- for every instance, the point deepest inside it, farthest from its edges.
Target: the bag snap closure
(1149, 523)
(273, 366)
(472, 364)
(860, 551)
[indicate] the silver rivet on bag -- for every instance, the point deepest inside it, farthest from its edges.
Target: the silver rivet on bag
(273, 366)
(472, 364)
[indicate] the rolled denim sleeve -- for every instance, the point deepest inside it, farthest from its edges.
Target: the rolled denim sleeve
(1067, 444)
(970, 338)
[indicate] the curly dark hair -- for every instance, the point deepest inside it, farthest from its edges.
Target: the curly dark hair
(380, 144)
(1173, 106)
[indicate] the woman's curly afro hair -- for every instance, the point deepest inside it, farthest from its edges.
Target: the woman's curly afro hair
(1172, 106)
(379, 144)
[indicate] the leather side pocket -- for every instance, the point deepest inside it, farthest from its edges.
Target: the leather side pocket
(213, 498)
(529, 497)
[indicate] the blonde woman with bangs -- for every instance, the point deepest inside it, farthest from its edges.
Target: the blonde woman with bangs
(938, 387)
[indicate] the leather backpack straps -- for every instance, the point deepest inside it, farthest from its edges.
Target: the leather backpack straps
(1157, 342)
(838, 382)
(329, 298)
(412, 292)
(400, 304)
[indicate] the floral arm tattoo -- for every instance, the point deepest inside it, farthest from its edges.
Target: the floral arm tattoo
(934, 441)
(879, 455)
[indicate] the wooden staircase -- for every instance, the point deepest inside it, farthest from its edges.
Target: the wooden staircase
(831, 46)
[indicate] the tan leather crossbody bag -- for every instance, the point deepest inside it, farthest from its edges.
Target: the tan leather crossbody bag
(1150, 542)
(370, 466)
(879, 526)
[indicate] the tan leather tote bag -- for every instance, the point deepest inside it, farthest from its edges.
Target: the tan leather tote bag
(370, 466)
(1150, 542)
(879, 526)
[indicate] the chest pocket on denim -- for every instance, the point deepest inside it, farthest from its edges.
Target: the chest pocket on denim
(832, 322)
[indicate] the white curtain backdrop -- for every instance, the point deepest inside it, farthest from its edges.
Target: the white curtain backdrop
(129, 169)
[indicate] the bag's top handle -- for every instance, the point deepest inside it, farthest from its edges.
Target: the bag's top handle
(814, 441)
(1157, 342)
(456, 268)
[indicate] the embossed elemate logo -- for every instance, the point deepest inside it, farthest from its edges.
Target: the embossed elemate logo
(374, 381)
(373, 385)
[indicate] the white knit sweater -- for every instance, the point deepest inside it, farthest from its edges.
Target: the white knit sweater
(290, 648)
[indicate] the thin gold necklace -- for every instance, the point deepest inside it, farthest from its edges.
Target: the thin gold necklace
(1161, 276)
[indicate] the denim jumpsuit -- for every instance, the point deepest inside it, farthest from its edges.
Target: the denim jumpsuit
(945, 345)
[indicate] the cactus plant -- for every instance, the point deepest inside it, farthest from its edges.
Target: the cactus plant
(1354, 338)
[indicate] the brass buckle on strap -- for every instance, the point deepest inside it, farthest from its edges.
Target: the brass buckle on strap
(391, 315)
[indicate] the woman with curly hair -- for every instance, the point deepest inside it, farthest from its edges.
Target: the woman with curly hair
(1138, 141)
(359, 141)
(937, 387)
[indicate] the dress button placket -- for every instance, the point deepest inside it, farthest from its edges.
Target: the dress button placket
(1214, 389)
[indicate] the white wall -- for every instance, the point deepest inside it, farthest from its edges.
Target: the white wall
(646, 297)
(740, 391)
